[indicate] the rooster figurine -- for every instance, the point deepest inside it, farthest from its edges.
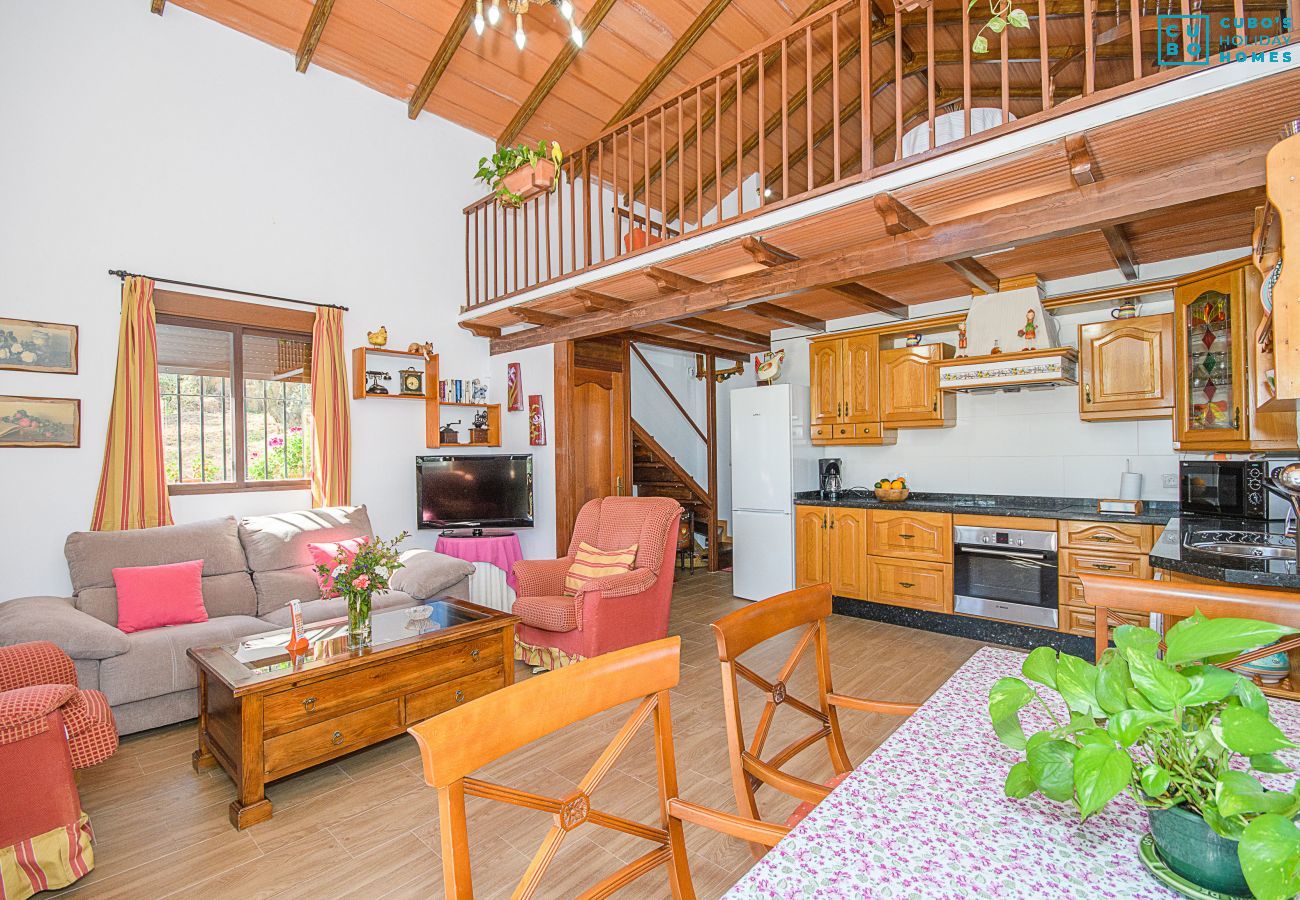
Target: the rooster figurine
(378, 338)
(768, 366)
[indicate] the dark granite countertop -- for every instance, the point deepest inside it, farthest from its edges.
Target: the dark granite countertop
(1171, 551)
(1157, 512)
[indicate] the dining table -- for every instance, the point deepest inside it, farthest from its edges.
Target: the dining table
(925, 815)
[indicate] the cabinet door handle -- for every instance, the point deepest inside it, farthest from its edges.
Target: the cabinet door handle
(832, 523)
(1087, 393)
(906, 584)
(1236, 417)
(460, 696)
(1105, 567)
(309, 704)
(934, 407)
(907, 537)
(336, 738)
(473, 654)
(1104, 538)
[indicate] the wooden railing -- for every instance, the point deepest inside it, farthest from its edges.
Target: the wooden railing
(788, 120)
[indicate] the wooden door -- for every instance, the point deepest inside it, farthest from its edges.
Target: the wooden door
(859, 378)
(593, 456)
(826, 372)
(1126, 368)
(848, 553)
(811, 545)
(1211, 370)
(909, 387)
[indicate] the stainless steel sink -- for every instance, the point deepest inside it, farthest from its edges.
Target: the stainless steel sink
(1245, 544)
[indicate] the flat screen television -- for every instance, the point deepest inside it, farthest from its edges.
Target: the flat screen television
(474, 491)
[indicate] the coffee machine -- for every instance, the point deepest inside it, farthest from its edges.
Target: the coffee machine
(828, 477)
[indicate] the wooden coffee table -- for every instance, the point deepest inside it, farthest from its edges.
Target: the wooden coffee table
(264, 714)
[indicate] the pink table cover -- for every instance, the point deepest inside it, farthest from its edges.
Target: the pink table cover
(925, 817)
(501, 551)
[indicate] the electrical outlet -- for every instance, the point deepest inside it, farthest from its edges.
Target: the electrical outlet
(1169, 481)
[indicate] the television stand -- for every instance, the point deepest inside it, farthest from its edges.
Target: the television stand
(475, 532)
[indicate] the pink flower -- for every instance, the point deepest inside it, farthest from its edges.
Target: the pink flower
(361, 581)
(295, 430)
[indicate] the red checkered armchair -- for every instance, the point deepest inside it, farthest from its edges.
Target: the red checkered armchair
(48, 728)
(607, 613)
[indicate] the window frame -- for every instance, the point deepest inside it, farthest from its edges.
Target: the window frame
(237, 331)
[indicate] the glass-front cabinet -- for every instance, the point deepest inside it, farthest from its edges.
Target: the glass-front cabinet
(1216, 315)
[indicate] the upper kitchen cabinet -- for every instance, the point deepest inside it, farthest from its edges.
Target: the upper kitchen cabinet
(1216, 316)
(846, 391)
(1126, 369)
(909, 388)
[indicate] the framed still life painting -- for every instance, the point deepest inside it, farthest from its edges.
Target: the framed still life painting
(40, 422)
(38, 346)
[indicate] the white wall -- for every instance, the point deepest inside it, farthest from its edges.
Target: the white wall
(177, 147)
(1030, 442)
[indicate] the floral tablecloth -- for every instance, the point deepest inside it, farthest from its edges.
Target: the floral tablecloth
(925, 816)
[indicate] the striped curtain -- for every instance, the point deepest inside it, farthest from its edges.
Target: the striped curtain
(133, 484)
(331, 459)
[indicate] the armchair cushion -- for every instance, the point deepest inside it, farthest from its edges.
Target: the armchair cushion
(540, 577)
(92, 731)
(24, 711)
(548, 613)
(78, 634)
(591, 563)
(33, 663)
(427, 573)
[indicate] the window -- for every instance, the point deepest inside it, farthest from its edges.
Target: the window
(236, 405)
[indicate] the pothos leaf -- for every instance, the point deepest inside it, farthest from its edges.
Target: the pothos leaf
(1019, 782)
(1018, 18)
(980, 44)
(996, 24)
(1100, 772)
(1270, 857)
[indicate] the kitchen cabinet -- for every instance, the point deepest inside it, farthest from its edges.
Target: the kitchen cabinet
(1126, 369)
(846, 391)
(1217, 314)
(915, 585)
(1116, 549)
(909, 559)
(909, 388)
(831, 545)
(910, 535)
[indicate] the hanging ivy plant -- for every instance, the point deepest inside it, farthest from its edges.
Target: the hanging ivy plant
(1001, 14)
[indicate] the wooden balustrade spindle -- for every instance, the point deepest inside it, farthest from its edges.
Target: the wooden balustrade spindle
(1089, 48)
(559, 217)
(1044, 64)
(785, 120)
(663, 172)
(515, 217)
(1239, 13)
(468, 293)
(1135, 30)
(965, 64)
(1185, 8)
(808, 103)
(740, 142)
(717, 149)
(618, 216)
(681, 168)
(600, 193)
(867, 153)
(699, 156)
(762, 134)
(835, 91)
(898, 84)
(645, 158)
(1005, 76)
(523, 214)
(931, 71)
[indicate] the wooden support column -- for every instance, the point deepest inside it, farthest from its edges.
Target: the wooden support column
(712, 442)
(1084, 171)
(320, 14)
(864, 297)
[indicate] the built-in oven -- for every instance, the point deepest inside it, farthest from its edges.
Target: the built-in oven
(1006, 574)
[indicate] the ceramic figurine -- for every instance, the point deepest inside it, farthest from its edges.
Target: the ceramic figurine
(768, 366)
(378, 338)
(914, 339)
(425, 349)
(478, 391)
(1030, 331)
(961, 337)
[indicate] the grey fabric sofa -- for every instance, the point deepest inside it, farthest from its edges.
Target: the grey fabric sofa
(252, 568)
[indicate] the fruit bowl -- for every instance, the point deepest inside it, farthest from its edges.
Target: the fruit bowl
(892, 495)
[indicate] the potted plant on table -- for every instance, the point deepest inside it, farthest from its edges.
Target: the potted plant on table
(1180, 734)
(357, 575)
(519, 173)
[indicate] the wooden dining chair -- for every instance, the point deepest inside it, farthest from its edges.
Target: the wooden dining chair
(805, 610)
(466, 738)
(1178, 600)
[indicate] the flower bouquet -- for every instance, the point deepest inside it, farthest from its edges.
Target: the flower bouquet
(357, 575)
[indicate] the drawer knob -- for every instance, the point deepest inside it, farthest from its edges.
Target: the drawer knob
(309, 704)
(906, 584)
(473, 654)
(337, 738)
(460, 696)
(1105, 567)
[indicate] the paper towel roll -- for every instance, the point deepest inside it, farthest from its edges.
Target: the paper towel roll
(1130, 486)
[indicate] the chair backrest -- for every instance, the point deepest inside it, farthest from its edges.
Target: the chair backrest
(804, 610)
(611, 523)
(462, 740)
(1180, 600)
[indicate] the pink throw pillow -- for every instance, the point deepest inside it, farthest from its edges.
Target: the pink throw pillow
(154, 596)
(324, 554)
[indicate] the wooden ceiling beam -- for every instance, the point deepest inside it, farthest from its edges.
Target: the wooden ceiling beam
(478, 329)
(683, 45)
(717, 329)
(593, 301)
(535, 316)
(1146, 193)
(568, 53)
(320, 14)
(669, 281)
(451, 41)
(646, 337)
(899, 219)
(975, 274)
(1084, 171)
(786, 316)
(864, 297)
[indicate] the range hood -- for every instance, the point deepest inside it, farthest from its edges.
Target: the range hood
(1032, 369)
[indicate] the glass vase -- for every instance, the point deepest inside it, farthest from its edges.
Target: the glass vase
(358, 619)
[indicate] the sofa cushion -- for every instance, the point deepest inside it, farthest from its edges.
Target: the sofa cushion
(92, 556)
(280, 541)
(548, 613)
(337, 608)
(427, 573)
(276, 589)
(156, 663)
(154, 596)
(327, 554)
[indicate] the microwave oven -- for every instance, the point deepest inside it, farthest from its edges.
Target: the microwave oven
(1228, 489)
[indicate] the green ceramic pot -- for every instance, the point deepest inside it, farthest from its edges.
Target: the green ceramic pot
(1194, 851)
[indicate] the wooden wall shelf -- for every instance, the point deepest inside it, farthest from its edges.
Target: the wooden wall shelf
(359, 367)
(433, 424)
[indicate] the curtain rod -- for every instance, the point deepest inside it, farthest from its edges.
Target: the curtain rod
(121, 273)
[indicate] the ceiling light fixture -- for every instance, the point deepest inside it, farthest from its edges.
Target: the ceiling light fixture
(519, 7)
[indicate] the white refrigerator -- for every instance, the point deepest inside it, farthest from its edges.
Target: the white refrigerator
(772, 457)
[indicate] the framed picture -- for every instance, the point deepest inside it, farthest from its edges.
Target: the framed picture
(38, 346)
(40, 422)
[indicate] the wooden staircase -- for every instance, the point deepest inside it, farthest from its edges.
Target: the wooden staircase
(656, 473)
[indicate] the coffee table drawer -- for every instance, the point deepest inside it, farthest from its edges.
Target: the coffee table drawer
(295, 707)
(332, 737)
(429, 702)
